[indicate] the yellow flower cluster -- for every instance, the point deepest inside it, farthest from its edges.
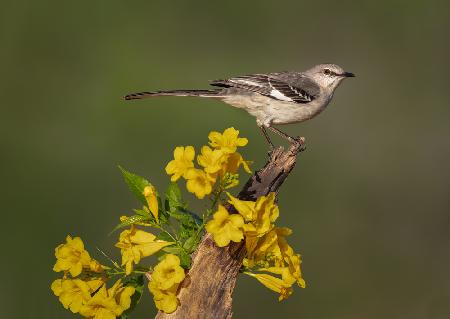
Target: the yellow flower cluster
(266, 245)
(87, 294)
(136, 244)
(218, 161)
(75, 294)
(165, 280)
(271, 253)
(73, 258)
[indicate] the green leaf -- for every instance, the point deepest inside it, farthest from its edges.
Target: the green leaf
(185, 259)
(186, 232)
(164, 236)
(190, 244)
(143, 212)
(198, 220)
(186, 218)
(173, 197)
(138, 283)
(173, 250)
(131, 221)
(136, 184)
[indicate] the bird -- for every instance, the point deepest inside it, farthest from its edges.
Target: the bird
(272, 98)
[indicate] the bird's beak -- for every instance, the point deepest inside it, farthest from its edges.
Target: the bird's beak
(348, 75)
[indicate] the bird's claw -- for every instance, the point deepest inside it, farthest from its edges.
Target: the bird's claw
(300, 142)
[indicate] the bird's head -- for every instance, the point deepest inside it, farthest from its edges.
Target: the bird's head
(328, 75)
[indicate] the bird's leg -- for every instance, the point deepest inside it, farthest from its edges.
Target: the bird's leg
(266, 136)
(291, 139)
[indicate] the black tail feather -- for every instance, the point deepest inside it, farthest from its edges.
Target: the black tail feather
(201, 93)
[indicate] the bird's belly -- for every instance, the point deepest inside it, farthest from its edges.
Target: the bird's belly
(270, 111)
(293, 113)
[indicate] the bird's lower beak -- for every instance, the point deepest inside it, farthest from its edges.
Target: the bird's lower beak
(349, 75)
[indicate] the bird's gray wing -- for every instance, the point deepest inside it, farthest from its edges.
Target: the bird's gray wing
(283, 86)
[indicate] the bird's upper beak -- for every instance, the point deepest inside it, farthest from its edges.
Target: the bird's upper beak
(348, 75)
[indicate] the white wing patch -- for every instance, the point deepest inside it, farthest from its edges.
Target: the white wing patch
(280, 96)
(277, 94)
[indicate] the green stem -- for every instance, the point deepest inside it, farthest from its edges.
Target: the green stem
(123, 272)
(208, 212)
(177, 242)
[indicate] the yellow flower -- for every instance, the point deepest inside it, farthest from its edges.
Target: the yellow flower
(233, 162)
(244, 207)
(136, 244)
(269, 246)
(72, 293)
(183, 160)
(294, 263)
(72, 257)
(218, 163)
(168, 272)
(266, 212)
(285, 273)
(165, 300)
(273, 283)
(273, 253)
(261, 214)
(225, 227)
(108, 304)
(150, 195)
(121, 294)
(198, 182)
(228, 141)
(211, 160)
(165, 279)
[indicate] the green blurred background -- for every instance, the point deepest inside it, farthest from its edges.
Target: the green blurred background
(369, 200)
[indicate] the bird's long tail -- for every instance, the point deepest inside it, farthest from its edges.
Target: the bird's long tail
(200, 93)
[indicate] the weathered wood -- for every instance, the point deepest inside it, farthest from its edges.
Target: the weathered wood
(207, 290)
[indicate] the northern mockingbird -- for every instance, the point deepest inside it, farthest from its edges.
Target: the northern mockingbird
(273, 98)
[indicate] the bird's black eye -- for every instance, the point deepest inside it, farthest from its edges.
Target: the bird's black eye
(327, 72)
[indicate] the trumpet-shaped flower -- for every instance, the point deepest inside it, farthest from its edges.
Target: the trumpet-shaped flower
(233, 162)
(165, 279)
(285, 273)
(228, 141)
(168, 272)
(136, 244)
(266, 212)
(269, 246)
(72, 257)
(260, 214)
(151, 196)
(183, 160)
(244, 207)
(72, 293)
(122, 294)
(108, 304)
(294, 263)
(274, 283)
(225, 227)
(198, 182)
(211, 160)
(165, 300)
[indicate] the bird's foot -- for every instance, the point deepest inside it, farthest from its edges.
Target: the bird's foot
(299, 142)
